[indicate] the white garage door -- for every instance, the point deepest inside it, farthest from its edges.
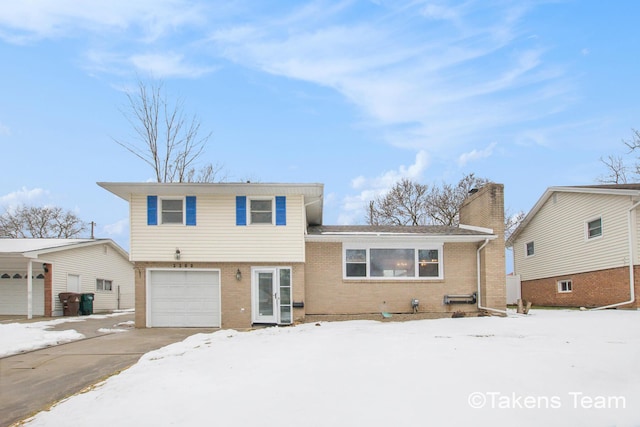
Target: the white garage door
(13, 297)
(183, 298)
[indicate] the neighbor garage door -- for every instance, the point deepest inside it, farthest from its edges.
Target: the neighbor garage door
(183, 298)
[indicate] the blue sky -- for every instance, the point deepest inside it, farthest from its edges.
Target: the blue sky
(352, 94)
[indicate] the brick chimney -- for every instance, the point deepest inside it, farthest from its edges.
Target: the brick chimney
(485, 208)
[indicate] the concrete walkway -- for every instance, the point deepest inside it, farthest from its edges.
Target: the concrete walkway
(32, 382)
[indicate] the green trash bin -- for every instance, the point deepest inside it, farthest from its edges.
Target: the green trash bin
(86, 304)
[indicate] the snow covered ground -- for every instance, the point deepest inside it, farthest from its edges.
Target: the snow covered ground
(552, 367)
(20, 337)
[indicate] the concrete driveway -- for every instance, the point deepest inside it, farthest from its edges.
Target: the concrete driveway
(32, 382)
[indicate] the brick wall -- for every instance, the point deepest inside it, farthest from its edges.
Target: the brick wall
(592, 289)
(235, 295)
(485, 208)
(328, 293)
(48, 291)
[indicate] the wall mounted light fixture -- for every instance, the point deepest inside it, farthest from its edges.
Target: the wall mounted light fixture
(45, 268)
(238, 275)
(177, 254)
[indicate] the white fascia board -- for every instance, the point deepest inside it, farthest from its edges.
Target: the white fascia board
(476, 228)
(388, 237)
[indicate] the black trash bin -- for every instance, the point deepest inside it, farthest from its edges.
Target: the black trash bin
(70, 303)
(86, 304)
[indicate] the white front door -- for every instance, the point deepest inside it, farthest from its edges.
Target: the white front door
(271, 295)
(73, 283)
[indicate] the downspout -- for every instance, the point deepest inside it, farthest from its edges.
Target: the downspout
(632, 284)
(480, 306)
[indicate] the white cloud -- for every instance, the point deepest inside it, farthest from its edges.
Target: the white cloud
(430, 85)
(118, 228)
(24, 196)
(352, 209)
(25, 21)
(475, 155)
(167, 65)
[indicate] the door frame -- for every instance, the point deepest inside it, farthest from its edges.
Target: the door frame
(277, 316)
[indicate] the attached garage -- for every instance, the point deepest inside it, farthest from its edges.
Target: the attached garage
(183, 298)
(13, 295)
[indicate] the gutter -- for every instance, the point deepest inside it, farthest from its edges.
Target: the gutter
(480, 306)
(632, 296)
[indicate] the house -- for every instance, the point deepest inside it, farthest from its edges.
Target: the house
(33, 272)
(232, 255)
(579, 247)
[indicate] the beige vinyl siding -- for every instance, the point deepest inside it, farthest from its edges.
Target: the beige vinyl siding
(216, 236)
(91, 263)
(560, 243)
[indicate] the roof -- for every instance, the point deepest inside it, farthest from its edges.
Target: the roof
(430, 232)
(313, 192)
(629, 190)
(31, 248)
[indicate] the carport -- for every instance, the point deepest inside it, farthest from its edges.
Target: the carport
(23, 280)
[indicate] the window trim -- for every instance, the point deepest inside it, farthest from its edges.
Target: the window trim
(526, 249)
(415, 247)
(250, 211)
(587, 229)
(161, 211)
(565, 281)
(104, 281)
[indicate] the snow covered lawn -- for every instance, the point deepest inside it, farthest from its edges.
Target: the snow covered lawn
(20, 337)
(552, 367)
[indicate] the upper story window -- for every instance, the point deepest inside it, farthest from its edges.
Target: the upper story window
(172, 211)
(594, 228)
(393, 262)
(261, 211)
(529, 249)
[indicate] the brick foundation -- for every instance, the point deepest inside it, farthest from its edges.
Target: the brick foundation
(592, 289)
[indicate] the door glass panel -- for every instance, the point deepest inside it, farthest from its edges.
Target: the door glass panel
(285, 314)
(265, 294)
(285, 295)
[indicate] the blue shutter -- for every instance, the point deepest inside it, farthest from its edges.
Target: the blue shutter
(281, 210)
(241, 210)
(191, 210)
(152, 210)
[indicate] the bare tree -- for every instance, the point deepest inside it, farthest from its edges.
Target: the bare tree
(168, 141)
(443, 203)
(411, 203)
(40, 222)
(404, 204)
(511, 222)
(617, 169)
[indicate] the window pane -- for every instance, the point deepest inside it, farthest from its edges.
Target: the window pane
(595, 228)
(285, 314)
(529, 248)
(261, 218)
(356, 270)
(261, 205)
(172, 211)
(172, 217)
(172, 205)
(356, 255)
(393, 263)
(429, 270)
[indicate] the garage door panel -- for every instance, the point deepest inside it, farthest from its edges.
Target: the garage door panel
(184, 298)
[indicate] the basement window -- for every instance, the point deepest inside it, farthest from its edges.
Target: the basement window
(565, 286)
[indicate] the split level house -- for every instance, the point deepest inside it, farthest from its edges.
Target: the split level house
(579, 245)
(233, 255)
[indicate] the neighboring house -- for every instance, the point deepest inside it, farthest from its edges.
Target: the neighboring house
(51, 266)
(236, 254)
(579, 247)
